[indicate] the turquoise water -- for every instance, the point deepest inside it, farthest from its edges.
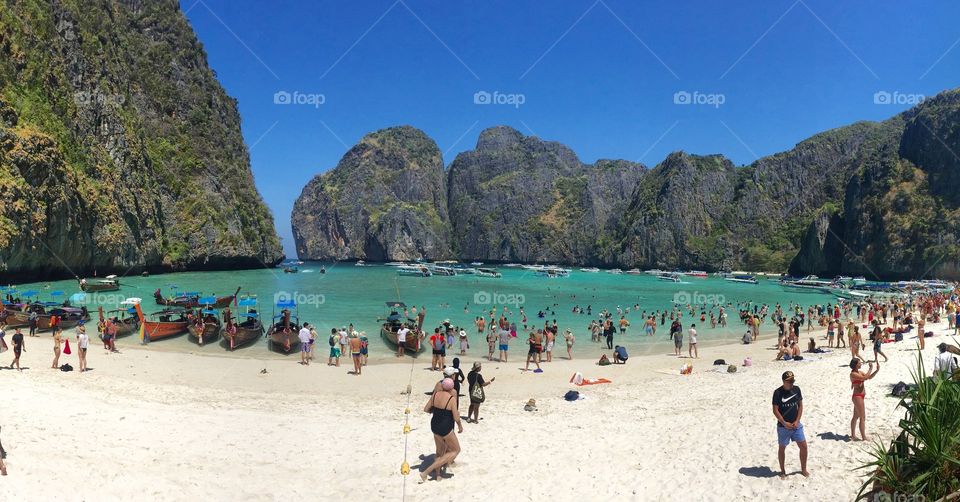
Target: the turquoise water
(350, 294)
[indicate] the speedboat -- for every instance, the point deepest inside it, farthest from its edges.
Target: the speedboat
(810, 282)
(488, 272)
(615, 271)
(592, 270)
(744, 278)
(413, 271)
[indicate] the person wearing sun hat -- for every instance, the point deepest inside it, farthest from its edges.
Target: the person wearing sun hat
(788, 408)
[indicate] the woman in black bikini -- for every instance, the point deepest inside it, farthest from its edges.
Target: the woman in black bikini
(443, 406)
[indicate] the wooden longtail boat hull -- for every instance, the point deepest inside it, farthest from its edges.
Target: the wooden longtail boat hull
(95, 288)
(208, 333)
(284, 342)
(244, 335)
(413, 343)
(158, 330)
(15, 321)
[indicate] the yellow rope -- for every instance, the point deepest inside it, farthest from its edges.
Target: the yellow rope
(405, 466)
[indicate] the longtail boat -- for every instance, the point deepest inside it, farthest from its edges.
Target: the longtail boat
(124, 320)
(187, 300)
(205, 327)
(284, 328)
(164, 324)
(191, 300)
(49, 314)
(110, 283)
(249, 328)
(392, 324)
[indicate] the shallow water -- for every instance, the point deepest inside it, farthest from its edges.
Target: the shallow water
(347, 293)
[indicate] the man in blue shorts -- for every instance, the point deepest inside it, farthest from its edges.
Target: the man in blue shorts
(788, 408)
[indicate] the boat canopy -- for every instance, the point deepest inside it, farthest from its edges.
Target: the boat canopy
(247, 302)
(130, 301)
(397, 305)
(284, 304)
(191, 293)
(56, 293)
(29, 293)
(207, 300)
(253, 315)
(208, 312)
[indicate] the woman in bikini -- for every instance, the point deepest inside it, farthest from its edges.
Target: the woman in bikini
(56, 349)
(857, 378)
(443, 406)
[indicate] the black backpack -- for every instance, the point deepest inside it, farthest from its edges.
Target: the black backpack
(719, 362)
(899, 389)
(66, 367)
(333, 341)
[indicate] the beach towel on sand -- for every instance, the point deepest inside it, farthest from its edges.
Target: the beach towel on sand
(577, 379)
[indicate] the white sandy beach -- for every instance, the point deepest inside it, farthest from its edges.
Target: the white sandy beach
(148, 424)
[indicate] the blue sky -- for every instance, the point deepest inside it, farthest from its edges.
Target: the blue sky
(599, 76)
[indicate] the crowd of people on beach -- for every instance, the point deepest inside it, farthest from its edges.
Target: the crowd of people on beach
(839, 324)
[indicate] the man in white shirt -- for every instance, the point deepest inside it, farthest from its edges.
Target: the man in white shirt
(692, 345)
(945, 363)
(304, 336)
(344, 339)
(401, 339)
(83, 341)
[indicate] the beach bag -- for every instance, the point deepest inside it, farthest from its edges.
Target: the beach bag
(66, 367)
(798, 358)
(732, 368)
(719, 362)
(66, 347)
(571, 395)
(899, 389)
(898, 337)
(748, 361)
(477, 394)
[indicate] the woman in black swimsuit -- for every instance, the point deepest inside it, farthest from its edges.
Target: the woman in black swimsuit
(443, 406)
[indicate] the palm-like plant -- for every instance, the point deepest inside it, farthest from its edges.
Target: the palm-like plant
(924, 460)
